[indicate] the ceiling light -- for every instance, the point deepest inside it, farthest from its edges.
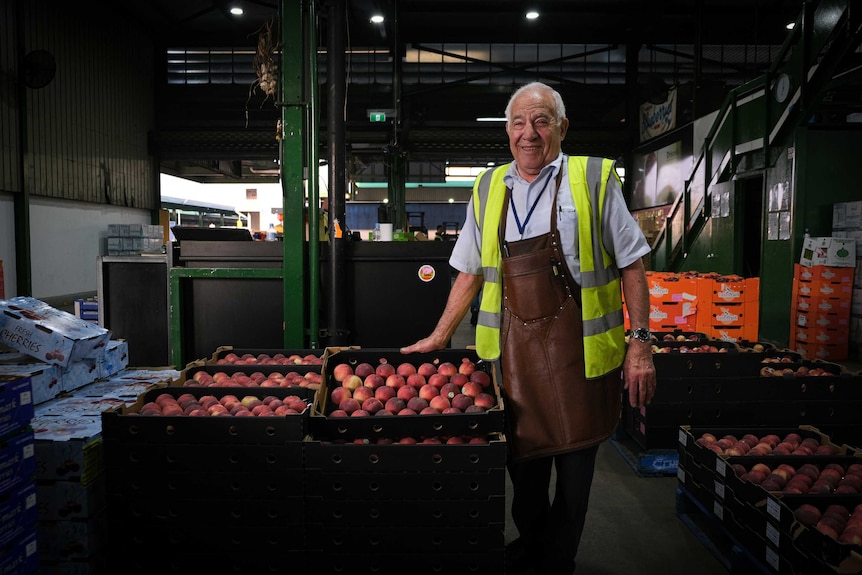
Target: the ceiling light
(490, 119)
(236, 11)
(377, 19)
(531, 15)
(791, 25)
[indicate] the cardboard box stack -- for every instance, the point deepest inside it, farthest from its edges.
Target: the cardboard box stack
(18, 542)
(58, 372)
(822, 294)
(721, 307)
(70, 473)
(134, 239)
(847, 224)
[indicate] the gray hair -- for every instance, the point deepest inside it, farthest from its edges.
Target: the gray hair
(559, 112)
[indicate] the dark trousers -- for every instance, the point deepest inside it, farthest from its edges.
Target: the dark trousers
(551, 531)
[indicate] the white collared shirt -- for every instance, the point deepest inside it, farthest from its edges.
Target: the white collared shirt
(621, 235)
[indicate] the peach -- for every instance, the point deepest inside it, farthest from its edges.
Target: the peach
(373, 381)
(406, 392)
(406, 411)
(461, 401)
(341, 371)
(472, 389)
(447, 368)
(363, 369)
(417, 404)
(349, 405)
(459, 379)
(394, 404)
(416, 380)
(352, 382)
(438, 379)
(338, 394)
(807, 514)
(450, 390)
(362, 393)
(372, 405)
(426, 370)
(395, 380)
(384, 369)
(428, 391)
(467, 366)
(439, 403)
(385, 393)
(484, 400)
(405, 369)
(481, 377)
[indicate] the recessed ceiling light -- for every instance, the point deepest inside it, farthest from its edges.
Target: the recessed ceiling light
(532, 15)
(791, 25)
(377, 19)
(236, 11)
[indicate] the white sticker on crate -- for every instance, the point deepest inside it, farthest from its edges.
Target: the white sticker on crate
(718, 509)
(719, 489)
(720, 466)
(772, 557)
(772, 534)
(773, 508)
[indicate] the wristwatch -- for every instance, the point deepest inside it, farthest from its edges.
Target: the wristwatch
(642, 334)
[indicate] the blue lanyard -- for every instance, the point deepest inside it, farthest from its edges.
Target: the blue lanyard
(522, 227)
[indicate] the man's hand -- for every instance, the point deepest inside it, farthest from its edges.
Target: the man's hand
(639, 373)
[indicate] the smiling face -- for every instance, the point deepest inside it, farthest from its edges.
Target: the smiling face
(535, 131)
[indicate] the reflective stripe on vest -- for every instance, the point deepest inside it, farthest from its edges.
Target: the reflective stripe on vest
(604, 341)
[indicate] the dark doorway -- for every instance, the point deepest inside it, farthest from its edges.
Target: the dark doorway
(751, 204)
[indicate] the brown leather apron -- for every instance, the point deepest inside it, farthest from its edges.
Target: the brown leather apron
(551, 407)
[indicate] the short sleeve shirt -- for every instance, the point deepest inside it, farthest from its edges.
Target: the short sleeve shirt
(529, 215)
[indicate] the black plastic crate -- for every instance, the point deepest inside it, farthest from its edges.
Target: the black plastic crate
(396, 562)
(417, 513)
(153, 557)
(378, 458)
(276, 486)
(127, 425)
(405, 486)
(426, 425)
(204, 457)
(227, 513)
(759, 388)
(444, 539)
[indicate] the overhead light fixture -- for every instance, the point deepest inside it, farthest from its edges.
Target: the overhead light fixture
(532, 15)
(236, 11)
(377, 19)
(790, 25)
(490, 119)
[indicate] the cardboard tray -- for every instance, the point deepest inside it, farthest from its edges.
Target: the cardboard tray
(372, 427)
(125, 425)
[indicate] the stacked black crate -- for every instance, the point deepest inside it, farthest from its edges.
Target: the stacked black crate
(711, 382)
(419, 490)
(217, 489)
(18, 506)
(770, 499)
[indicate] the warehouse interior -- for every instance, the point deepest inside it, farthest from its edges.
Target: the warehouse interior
(767, 123)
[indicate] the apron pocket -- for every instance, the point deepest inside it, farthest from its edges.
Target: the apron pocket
(534, 295)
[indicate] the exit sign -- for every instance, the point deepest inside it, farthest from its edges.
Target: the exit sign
(380, 115)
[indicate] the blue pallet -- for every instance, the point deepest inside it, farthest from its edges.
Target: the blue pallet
(652, 463)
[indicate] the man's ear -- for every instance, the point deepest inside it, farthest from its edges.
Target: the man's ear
(564, 127)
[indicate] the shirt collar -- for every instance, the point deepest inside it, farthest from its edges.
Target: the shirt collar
(512, 178)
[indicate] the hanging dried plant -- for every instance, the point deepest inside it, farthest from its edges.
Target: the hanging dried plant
(264, 62)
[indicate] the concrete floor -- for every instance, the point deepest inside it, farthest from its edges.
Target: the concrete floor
(632, 524)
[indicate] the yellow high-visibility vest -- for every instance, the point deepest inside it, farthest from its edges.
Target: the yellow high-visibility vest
(601, 297)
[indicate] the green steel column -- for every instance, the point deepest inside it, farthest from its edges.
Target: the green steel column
(21, 200)
(313, 181)
(292, 156)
